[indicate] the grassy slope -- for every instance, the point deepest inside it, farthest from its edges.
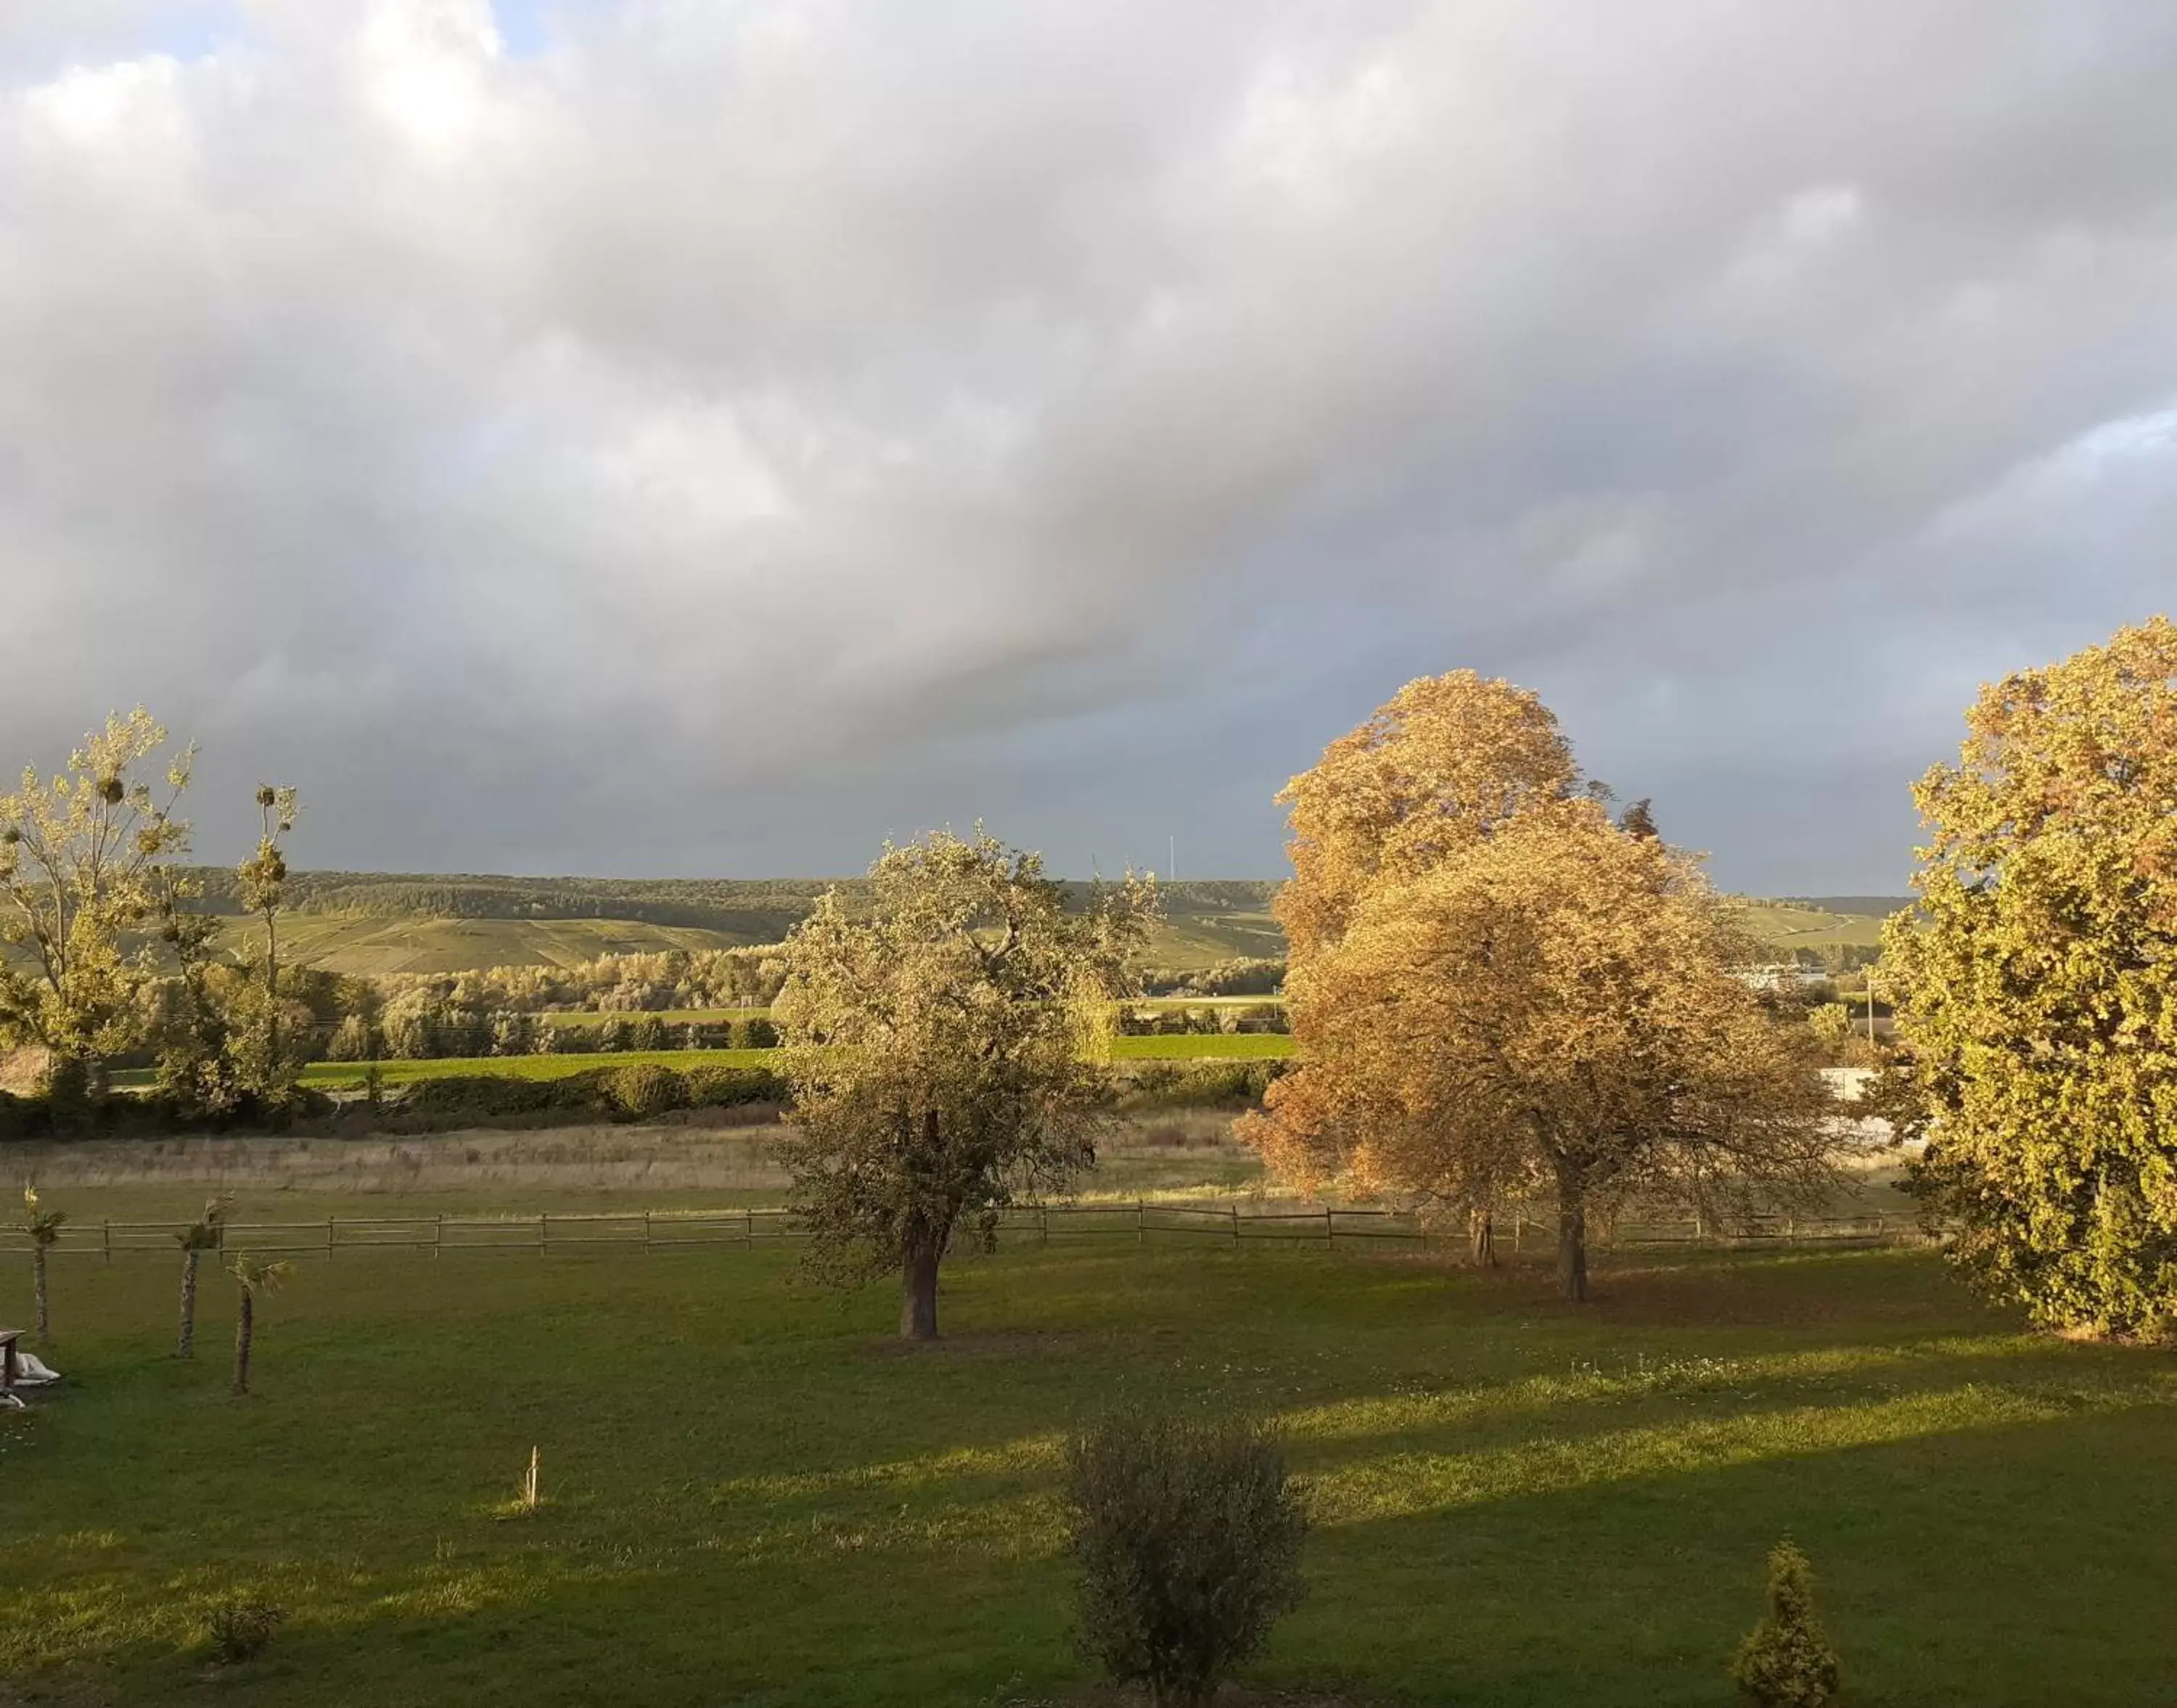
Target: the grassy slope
(373, 946)
(753, 1497)
(1811, 924)
(1204, 923)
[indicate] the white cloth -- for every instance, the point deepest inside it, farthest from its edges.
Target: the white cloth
(30, 1372)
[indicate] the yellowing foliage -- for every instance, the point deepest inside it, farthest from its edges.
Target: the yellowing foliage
(2037, 987)
(936, 1049)
(1498, 991)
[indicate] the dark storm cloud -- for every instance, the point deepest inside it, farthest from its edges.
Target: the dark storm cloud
(661, 438)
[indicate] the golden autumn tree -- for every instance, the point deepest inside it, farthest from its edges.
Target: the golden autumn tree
(85, 859)
(2036, 988)
(1497, 990)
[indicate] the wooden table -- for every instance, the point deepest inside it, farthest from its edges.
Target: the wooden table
(8, 1368)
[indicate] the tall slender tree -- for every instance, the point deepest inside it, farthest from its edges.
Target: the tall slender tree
(255, 1278)
(940, 1048)
(44, 1229)
(205, 1234)
(268, 1065)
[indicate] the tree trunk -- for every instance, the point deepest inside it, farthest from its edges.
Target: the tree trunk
(38, 1286)
(244, 1327)
(186, 1346)
(917, 1294)
(1482, 1231)
(1572, 1239)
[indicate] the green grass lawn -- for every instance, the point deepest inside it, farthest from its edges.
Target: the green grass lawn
(1239, 1046)
(331, 1075)
(670, 1016)
(753, 1496)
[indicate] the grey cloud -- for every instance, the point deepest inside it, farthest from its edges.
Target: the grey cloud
(770, 425)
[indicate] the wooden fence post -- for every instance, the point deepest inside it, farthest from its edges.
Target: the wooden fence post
(1330, 1228)
(1042, 1224)
(106, 1227)
(749, 1236)
(645, 1233)
(438, 1233)
(1141, 1224)
(1234, 1210)
(544, 1230)
(329, 1239)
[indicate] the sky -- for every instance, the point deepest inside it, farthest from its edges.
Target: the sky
(657, 437)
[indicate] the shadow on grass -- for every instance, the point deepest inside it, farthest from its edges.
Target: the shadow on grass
(1514, 1505)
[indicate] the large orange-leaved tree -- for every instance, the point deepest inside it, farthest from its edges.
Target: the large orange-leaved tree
(1497, 991)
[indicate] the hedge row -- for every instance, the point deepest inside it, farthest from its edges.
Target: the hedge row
(641, 1091)
(122, 1115)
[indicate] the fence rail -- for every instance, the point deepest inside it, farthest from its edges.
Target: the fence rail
(652, 1230)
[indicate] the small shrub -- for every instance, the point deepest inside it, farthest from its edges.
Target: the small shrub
(1785, 1662)
(755, 1033)
(645, 1091)
(730, 1088)
(456, 1097)
(1187, 1534)
(240, 1628)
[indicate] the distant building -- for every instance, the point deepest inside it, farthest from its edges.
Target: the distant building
(1784, 975)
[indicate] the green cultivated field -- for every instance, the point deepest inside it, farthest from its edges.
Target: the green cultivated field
(329, 1076)
(1825, 922)
(1240, 1046)
(754, 1496)
(374, 947)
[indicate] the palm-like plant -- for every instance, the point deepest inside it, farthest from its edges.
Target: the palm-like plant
(254, 1276)
(204, 1234)
(44, 1228)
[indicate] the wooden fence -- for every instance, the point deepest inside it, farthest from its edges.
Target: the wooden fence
(1231, 1223)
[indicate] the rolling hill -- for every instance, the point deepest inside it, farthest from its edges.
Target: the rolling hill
(374, 924)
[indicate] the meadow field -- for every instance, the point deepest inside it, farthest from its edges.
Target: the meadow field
(348, 1075)
(753, 1494)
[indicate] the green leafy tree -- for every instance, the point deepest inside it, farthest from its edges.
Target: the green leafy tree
(940, 1051)
(2034, 986)
(1187, 1534)
(254, 1278)
(83, 860)
(204, 1234)
(44, 1229)
(1786, 1661)
(192, 1033)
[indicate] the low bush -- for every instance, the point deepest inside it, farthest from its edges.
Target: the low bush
(754, 1032)
(118, 1114)
(1785, 1662)
(641, 1091)
(1197, 1085)
(1187, 1535)
(240, 1628)
(454, 1098)
(645, 1091)
(730, 1087)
